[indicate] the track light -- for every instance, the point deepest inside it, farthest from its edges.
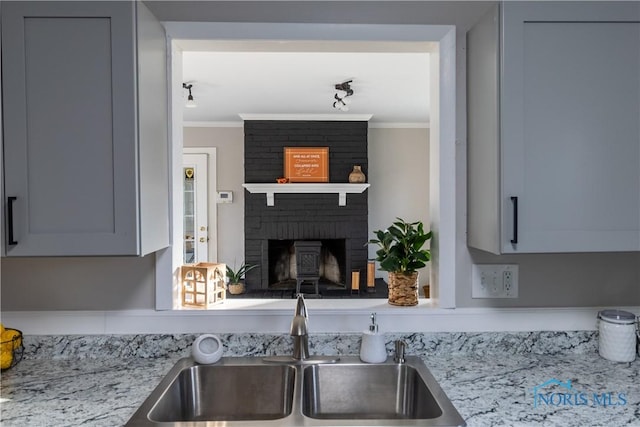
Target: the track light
(343, 90)
(340, 104)
(190, 102)
(341, 93)
(345, 87)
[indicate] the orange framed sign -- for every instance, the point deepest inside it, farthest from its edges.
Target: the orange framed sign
(306, 164)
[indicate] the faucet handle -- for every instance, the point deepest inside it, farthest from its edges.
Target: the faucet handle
(401, 347)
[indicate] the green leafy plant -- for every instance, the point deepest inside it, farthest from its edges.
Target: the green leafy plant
(400, 247)
(236, 276)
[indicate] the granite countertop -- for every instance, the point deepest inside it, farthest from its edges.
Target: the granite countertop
(489, 388)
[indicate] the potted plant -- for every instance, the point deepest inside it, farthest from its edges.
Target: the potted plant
(235, 286)
(401, 254)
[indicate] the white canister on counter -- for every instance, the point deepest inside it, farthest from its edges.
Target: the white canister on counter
(617, 335)
(207, 349)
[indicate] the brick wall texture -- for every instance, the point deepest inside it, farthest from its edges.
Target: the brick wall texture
(304, 216)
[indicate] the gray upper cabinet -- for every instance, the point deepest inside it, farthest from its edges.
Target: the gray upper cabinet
(554, 128)
(85, 129)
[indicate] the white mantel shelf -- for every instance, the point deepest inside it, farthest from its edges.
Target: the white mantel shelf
(312, 188)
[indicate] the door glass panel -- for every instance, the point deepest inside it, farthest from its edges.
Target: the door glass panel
(189, 255)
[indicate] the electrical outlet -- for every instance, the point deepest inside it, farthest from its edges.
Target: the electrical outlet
(494, 281)
(507, 281)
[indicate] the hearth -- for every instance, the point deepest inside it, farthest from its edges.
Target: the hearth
(294, 263)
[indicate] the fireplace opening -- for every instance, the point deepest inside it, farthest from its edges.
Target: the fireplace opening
(332, 262)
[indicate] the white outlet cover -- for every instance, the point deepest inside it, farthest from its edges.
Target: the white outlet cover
(494, 281)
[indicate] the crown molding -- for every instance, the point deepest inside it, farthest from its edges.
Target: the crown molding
(240, 123)
(310, 117)
(212, 124)
(399, 125)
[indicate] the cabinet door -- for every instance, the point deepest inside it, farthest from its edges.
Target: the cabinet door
(68, 82)
(570, 108)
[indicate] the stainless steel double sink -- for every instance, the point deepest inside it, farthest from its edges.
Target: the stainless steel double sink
(249, 391)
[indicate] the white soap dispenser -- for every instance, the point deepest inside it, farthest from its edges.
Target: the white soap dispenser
(372, 348)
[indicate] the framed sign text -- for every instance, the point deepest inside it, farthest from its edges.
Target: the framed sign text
(306, 164)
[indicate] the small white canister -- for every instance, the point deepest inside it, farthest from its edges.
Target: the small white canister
(617, 335)
(207, 349)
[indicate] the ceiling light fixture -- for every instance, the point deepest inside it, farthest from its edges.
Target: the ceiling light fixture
(343, 90)
(190, 102)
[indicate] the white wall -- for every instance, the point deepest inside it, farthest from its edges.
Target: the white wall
(78, 283)
(565, 280)
(399, 178)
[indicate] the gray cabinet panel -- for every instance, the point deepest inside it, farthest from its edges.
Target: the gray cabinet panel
(153, 107)
(71, 128)
(569, 135)
(580, 164)
(483, 150)
(69, 136)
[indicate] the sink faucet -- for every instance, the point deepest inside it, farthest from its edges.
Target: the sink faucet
(300, 333)
(400, 350)
(299, 330)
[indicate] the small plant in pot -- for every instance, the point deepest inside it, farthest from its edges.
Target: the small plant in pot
(401, 254)
(235, 286)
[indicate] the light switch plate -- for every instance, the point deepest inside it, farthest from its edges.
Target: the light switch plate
(494, 281)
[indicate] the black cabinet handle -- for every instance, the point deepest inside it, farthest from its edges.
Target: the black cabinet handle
(514, 200)
(10, 201)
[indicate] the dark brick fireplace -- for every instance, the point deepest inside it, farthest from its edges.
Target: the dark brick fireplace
(343, 230)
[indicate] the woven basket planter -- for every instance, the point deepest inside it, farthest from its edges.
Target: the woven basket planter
(235, 288)
(403, 288)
